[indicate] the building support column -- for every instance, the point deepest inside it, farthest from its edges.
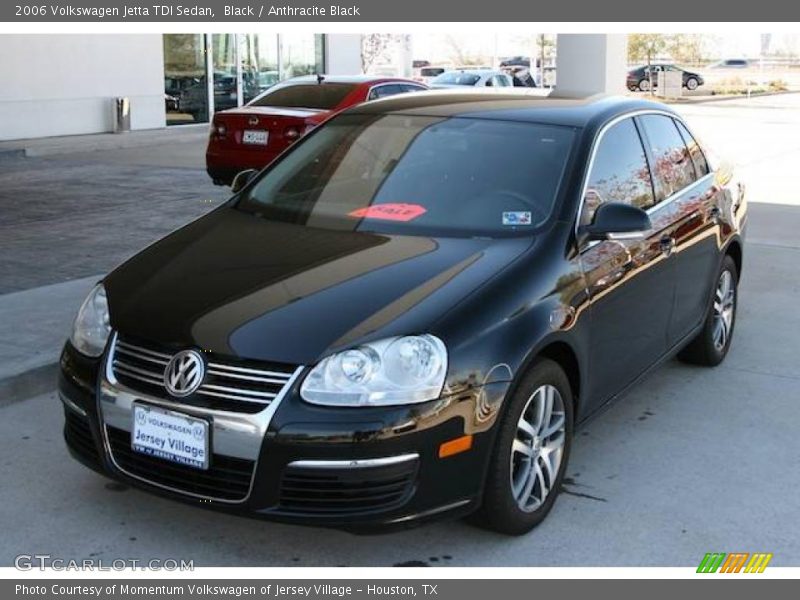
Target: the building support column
(589, 64)
(343, 53)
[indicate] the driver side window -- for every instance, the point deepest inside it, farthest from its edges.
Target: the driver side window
(619, 172)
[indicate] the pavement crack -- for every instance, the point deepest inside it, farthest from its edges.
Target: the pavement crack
(762, 373)
(582, 495)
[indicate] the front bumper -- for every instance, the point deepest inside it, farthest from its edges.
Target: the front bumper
(293, 462)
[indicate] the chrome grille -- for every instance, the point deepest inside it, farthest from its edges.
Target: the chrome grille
(239, 386)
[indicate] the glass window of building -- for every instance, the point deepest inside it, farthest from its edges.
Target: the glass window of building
(226, 91)
(301, 54)
(243, 65)
(185, 88)
(258, 53)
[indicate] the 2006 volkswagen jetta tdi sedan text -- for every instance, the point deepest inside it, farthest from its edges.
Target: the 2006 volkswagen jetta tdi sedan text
(406, 315)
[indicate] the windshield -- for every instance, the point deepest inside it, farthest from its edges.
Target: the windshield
(457, 78)
(323, 96)
(417, 176)
(431, 71)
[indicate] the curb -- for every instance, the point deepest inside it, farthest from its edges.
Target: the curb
(121, 144)
(140, 138)
(34, 382)
(686, 101)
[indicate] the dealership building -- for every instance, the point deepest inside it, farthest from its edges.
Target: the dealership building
(68, 84)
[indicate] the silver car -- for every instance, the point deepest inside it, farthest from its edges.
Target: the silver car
(472, 78)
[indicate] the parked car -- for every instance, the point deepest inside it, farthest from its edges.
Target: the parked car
(427, 74)
(730, 63)
(407, 314)
(471, 77)
(517, 61)
(641, 79)
(520, 76)
(171, 103)
(253, 135)
(193, 99)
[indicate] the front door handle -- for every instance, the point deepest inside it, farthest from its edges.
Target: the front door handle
(667, 244)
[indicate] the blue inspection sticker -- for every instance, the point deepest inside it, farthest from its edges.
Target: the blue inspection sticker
(518, 217)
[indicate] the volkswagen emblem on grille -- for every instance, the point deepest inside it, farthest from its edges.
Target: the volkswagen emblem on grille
(252, 121)
(184, 373)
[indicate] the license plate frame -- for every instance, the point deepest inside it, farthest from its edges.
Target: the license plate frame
(178, 433)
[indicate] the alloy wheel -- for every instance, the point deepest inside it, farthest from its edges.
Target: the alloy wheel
(724, 308)
(538, 448)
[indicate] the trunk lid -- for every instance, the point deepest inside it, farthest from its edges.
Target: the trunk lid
(268, 128)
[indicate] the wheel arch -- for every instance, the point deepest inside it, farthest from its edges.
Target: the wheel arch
(734, 250)
(562, 352)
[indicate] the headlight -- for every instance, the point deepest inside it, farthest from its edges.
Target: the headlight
(92, 325)
(400, 370)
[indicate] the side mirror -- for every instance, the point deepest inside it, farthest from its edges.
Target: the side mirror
(617, 221)
(242, 179)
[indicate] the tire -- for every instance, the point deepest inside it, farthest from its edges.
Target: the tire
(644, 85)
(691, 84)
(513, 503)
(710, 347)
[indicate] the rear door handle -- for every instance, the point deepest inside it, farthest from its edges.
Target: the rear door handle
(667, 244)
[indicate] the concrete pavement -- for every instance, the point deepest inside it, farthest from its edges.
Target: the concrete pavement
(67, 218)
(33, 328)
(760, 136)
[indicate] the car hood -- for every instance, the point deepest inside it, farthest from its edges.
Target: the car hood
(239, 285)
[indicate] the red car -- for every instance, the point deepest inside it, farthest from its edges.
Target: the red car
(251, 136)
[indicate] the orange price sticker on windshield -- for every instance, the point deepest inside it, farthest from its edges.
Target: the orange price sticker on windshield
(389, 212)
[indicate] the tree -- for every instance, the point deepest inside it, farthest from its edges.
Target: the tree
(373, 47)
(546, 46)
(458, 56)
(646, 46)
(685, 47)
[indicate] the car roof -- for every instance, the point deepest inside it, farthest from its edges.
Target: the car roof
(517, 105)
(476, 71)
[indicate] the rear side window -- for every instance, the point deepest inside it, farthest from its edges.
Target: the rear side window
(619, 172)
(385, 90)
(382, 91)
(695, 152)
(672, 167)
(323, 96)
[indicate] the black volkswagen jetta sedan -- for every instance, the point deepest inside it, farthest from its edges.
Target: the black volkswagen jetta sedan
(406, 315)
